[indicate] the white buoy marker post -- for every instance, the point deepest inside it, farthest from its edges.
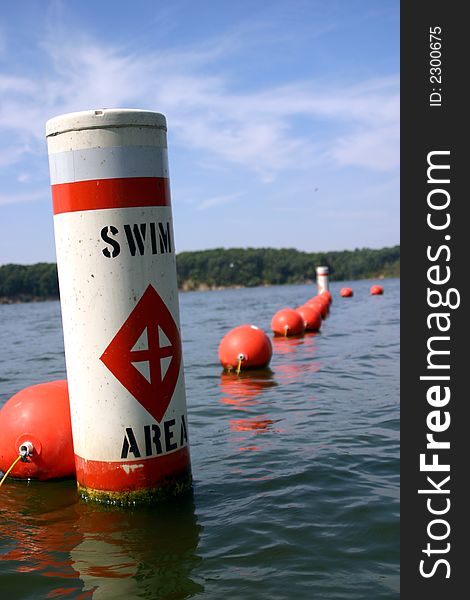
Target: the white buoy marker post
(119, 300)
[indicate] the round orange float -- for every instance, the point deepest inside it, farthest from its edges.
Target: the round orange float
(35, 423)
(245, 346)
(311, 317)
(287, 321)
(346, 292)
(376, 290)
(319, 303)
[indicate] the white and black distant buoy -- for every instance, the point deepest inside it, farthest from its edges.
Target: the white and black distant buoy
(323, 274)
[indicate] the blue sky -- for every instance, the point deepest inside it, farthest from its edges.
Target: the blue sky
(283, 117)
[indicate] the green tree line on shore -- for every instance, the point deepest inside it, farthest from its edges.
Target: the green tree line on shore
(222, 267)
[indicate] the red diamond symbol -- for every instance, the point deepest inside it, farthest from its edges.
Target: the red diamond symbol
(150, 339)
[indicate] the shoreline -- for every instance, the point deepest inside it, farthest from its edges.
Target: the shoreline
(26, 298)
(202, 287)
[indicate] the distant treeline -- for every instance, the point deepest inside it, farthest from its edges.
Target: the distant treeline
(28, 282)
(267, 266)
(225, 268)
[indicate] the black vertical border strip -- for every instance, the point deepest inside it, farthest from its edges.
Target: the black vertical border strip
(424, 129)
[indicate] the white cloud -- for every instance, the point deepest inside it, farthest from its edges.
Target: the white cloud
(217, 201)
(374, 149)
(22, 197)
(12, 152)
(16, 85)
(265, 131)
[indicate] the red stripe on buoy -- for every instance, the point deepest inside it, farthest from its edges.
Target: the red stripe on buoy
(132, 475)
(97, 194)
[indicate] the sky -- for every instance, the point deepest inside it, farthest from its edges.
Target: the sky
(283, 116)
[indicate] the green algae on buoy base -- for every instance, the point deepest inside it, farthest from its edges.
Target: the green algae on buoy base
(170, 488)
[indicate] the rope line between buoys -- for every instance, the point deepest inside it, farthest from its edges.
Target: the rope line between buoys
(11, 467)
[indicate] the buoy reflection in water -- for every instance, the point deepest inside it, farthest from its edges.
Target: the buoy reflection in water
(289, 373)
(80, 550)
(243, 390)
(287, 345)
(255, 424)
(288, 369)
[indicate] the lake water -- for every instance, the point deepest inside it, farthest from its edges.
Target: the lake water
(296, 491)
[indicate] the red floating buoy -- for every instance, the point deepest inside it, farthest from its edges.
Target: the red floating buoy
(346, 292)
(326, 294)
(35, 423)
(323, 298)
(376, 290)
(287, 321)
(319, 303)
(245, 346)
(311, 316)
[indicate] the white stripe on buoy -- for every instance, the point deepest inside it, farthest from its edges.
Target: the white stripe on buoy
(108, 163)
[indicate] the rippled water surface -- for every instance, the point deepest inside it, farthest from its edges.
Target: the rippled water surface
(296, 468)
